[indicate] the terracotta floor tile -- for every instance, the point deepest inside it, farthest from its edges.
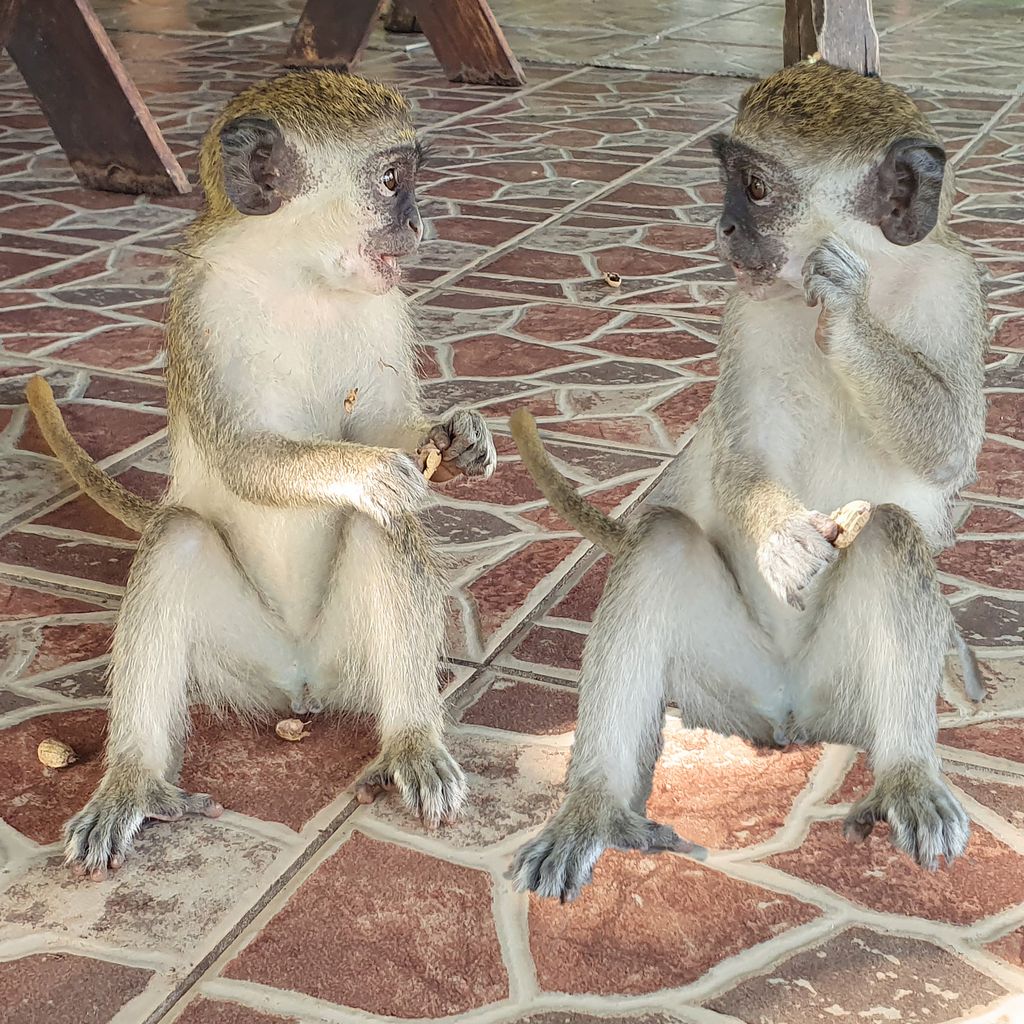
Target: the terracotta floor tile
(1010, 948)
(647, 923)
(215, 1011)
(60, 986)
(377, 904)
(856, 974)
(512, 788)
(988, 878)
(180, 883)
(997, 739)
(521, 705)
(252, 771)
(1002, 797)
(723, 793)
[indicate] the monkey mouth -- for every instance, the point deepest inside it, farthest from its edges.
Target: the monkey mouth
(757, 282)
(386, 266)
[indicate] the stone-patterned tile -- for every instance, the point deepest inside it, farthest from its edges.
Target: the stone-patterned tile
(996, 739)
(61, 986)
(988, 621)
(723, 793)
(988, 878)
(1005, 799)
(381, 904)
(217, 1011)
(252, 771)
(1009, 947)
(522, 705)
(512, 787)
(179, 885)
(689, 916)
(862, 973)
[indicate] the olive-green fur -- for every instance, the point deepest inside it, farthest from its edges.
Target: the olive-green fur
(319, 106)
(829, 111)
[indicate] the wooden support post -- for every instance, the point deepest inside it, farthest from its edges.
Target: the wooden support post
(842, 32)
(94, 108)
(847, 37)
(332, 33)
(465, 37)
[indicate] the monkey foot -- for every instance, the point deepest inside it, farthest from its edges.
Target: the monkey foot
(925, 820)
(430, 782)
(307, 704)
(98, 838)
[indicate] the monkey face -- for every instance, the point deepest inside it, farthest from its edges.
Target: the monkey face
(761, 208)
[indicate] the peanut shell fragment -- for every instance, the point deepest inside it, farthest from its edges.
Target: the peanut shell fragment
(291, 729)
(613, 280)
(55, 754)
(350, 400)
(851, 519)
(430, 458)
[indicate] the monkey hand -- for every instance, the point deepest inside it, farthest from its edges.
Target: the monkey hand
(795, 554)
(835, 276)
(99, 837)
(393, 486)
(925, 820)
(560, 861)
(465, 445)
(424, 774)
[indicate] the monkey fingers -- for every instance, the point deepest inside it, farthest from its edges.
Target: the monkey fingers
(465, 443)
(793, 556)
(834, 276)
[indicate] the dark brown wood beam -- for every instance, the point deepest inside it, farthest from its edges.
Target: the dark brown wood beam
(94, 108)
(464, 35)
(842, 32)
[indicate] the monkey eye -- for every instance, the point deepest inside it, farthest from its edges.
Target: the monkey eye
(390, 180)
(757, 189)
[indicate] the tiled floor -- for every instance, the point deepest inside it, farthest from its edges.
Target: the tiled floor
(296, 906)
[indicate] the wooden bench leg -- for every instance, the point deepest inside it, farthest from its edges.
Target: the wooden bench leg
(465, 37)
(94, 108)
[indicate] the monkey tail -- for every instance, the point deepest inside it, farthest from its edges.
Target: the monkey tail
(132, 510)
(591, 522)
(974, 683)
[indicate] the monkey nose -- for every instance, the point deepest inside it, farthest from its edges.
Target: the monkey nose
(416, 227)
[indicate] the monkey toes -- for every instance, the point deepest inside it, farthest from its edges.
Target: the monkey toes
(429, 781)
(925, 820)
(560, 861)
(100, 836)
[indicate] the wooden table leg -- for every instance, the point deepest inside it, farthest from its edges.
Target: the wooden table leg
(94, 109)
(465, 37)
(400, 18)
(841, 31)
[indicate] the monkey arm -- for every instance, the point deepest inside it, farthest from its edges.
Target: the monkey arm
(920, 413)
(267, 469)
(756, 504)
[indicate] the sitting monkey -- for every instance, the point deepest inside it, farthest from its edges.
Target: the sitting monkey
(852, 360)
(286, 565)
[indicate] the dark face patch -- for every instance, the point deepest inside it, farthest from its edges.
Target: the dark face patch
(758, 206)
(388, 188)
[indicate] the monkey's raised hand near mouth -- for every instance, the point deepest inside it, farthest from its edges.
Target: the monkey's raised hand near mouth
(287, 566)
(732, 593)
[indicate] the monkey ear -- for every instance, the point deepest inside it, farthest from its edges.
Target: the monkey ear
(908, 189)
(253, 153)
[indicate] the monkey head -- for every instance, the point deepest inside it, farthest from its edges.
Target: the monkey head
(816, 151)
(316, 171)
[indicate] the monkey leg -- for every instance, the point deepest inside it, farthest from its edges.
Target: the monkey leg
(185, 607)
(880, 641)
(378, 645)
(641, 638)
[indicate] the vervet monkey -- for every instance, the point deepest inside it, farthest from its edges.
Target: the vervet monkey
(852, 360)
(286, 566)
